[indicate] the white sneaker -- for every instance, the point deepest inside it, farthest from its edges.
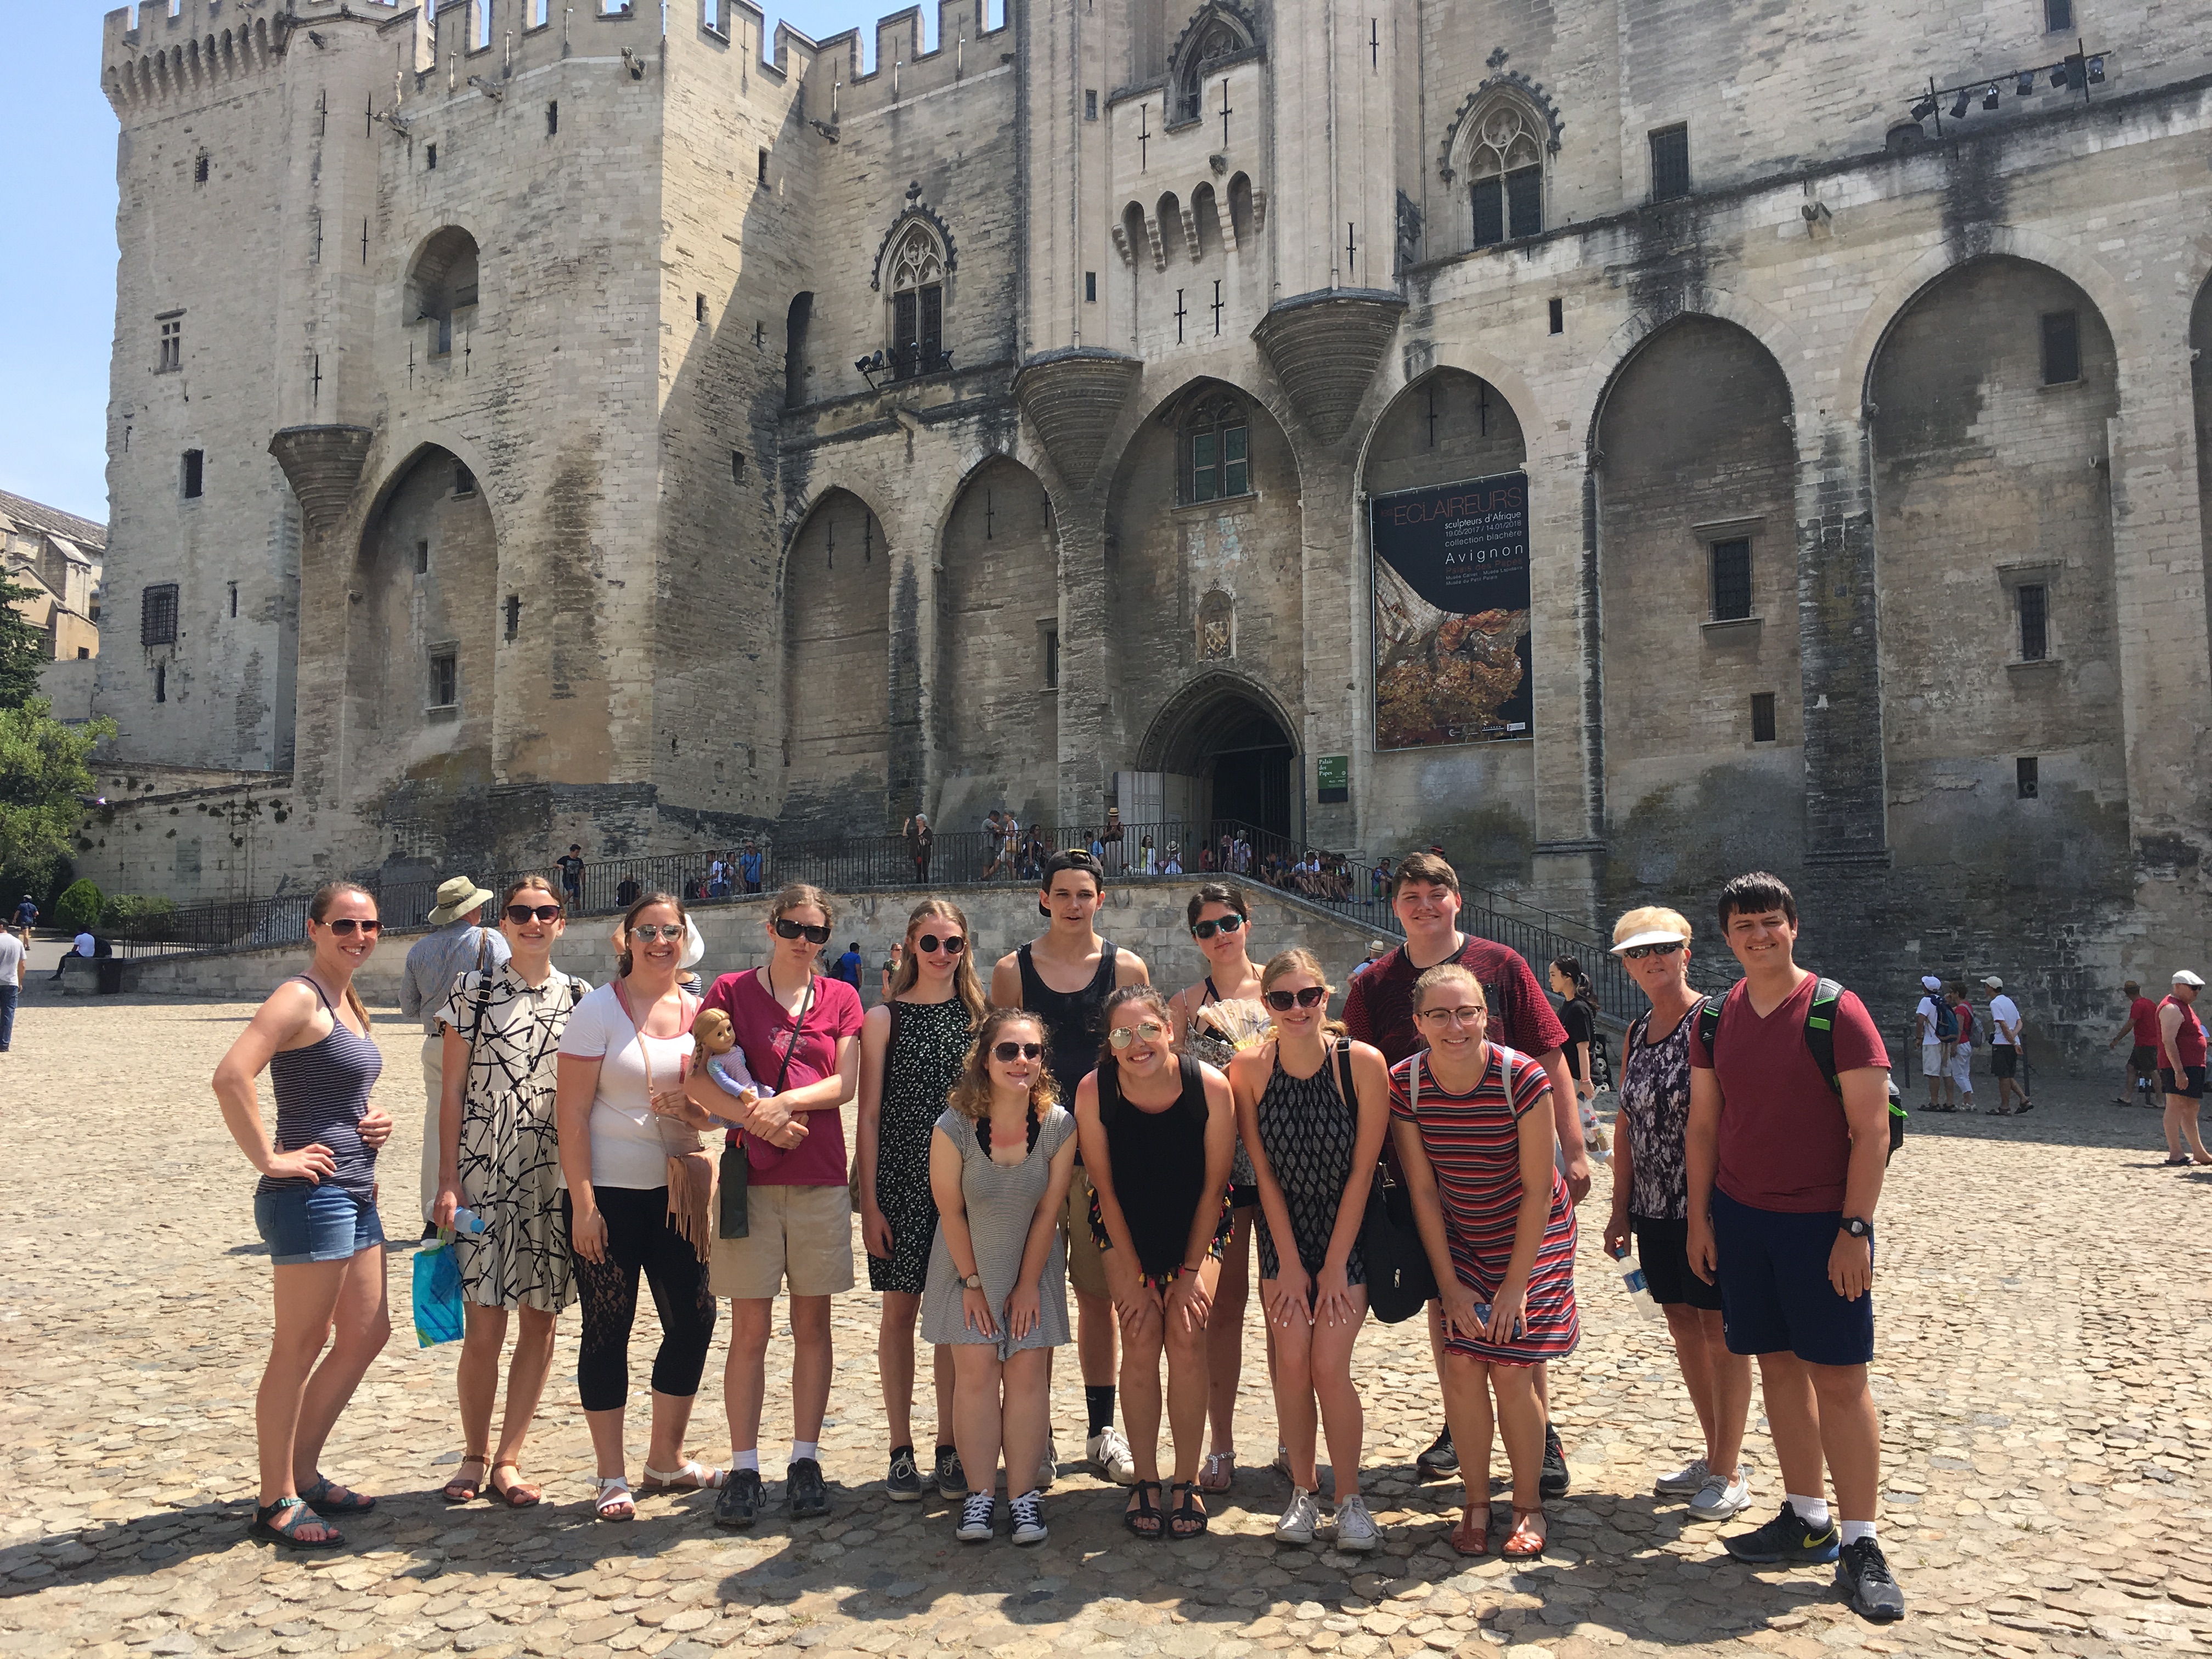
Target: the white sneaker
(1355, 1527)
(1299, 1520)
(975, 1526)
(1684, 1482)
(1109, 1454)
(1718, 1499)
(1029, 1518)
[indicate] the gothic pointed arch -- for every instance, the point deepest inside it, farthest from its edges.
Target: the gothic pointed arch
(1498, 151)
(1219, 30)
(913, 270)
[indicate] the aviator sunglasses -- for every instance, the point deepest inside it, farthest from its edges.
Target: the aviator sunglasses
(1311, 996)
(671, 930)
(1638, 952)
(951, 944)
(784, 929)
(519, 914)
(1121, 1036)
(1007, 1052)
(1220, 925)
(344, 926)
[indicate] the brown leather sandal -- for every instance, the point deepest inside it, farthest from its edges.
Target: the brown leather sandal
(463, 1488)
(1523, 1545)
(1466, 1538)
(517, 1494)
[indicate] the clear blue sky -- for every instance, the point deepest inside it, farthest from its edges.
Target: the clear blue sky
(58, 205)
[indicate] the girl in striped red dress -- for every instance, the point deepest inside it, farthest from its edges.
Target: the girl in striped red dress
(1472, 1123)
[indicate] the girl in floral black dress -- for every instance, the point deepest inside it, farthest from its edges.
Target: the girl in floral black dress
(911, 1051)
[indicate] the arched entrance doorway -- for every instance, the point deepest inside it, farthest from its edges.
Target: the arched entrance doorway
(1220, 750)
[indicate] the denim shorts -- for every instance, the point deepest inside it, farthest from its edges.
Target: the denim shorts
(315, 1223)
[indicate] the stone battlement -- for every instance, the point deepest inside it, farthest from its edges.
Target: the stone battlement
(151, 55)
(838, 87)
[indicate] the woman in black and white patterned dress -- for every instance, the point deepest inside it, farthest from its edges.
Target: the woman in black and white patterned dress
(501, 1160)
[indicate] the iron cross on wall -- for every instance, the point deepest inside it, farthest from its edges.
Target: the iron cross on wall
(1225, 112)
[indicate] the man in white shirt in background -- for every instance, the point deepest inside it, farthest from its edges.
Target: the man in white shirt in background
(2004, 1047)
(1934, 1061)
(11, 983)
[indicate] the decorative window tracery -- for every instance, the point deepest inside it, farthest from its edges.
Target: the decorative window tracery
(1505, 169)
(1219, 31)
(917, 285)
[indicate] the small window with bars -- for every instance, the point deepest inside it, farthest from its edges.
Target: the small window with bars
(1732, 579)
(157, 615)
(444, 679)
(194, 471)
(2062, 347)
(1670, 163)
(2034, 600)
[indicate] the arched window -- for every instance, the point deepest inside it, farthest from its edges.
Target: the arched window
(1215, 448)
(1216, 34)
(444, 286)
(917, 305)
(1504, 170)
(1205, 209)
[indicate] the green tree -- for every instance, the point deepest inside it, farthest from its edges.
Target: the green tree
(46, 772)
(22, 648)
(78, 908)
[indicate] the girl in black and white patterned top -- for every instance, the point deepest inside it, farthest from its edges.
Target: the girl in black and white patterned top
(1651, 1203)
(500, 1159)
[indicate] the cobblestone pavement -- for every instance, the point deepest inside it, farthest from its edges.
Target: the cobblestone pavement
(2044, 1357)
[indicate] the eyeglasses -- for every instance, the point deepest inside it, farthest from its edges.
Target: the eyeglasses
(784, 929)
(1454, 1015)
(1220, 925)
(519, 914)
(344, 926)
(1007, 1052)
(952, 944)
(651, 931)
(1311, 996)
(1636, 953)
(1149, 1030)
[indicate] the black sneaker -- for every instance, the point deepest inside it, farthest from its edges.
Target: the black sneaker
(1554, 1481)
(1441, 1459)
(805, 1490)
(740, 1502)
(1863, 1575)
(903, 1484)
(1785, 1538)
(951, 1479)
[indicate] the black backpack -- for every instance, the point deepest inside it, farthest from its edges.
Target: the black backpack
(1821, 1038)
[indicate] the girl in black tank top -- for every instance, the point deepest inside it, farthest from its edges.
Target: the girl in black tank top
(1163, 1155)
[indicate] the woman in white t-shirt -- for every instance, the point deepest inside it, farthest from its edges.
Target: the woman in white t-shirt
(624, 1055)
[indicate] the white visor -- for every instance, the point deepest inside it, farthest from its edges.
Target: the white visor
(1656, 936)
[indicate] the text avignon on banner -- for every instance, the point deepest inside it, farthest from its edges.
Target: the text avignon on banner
(1451, 612)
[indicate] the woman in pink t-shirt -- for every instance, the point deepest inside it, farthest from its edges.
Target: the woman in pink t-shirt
(799, 1032)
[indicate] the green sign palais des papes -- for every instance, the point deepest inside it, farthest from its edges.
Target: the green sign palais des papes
(1333, 778)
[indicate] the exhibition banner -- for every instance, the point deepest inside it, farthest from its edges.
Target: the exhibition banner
(1450, 586)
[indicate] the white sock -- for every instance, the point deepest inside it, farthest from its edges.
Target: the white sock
(1855, 1530)
(807, 1449)
(1813, 1512)
(746, 1460)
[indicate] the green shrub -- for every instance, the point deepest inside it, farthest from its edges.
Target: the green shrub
(135, 915)
(78, 908)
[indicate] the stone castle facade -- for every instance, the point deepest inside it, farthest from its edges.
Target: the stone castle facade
(618, 426)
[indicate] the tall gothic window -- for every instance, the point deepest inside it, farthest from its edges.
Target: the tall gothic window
(1212, 38)
(1505, 174)
(917, 305)
(1216, 452)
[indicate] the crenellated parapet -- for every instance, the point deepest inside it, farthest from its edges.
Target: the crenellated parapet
(838, 87)
(150, 56)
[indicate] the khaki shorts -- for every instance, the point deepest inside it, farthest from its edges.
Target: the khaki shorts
(802, 1234)
(1086, 1267)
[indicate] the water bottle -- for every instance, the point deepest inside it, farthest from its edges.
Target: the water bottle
(1632, 1281)
(467, 1221)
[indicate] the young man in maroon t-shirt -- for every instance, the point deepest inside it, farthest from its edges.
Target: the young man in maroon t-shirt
(1378, 1008)
(1784, 1173)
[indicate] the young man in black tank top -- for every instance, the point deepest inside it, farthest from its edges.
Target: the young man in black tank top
(1064, 976)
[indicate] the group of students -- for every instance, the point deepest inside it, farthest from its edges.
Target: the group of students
(1948, 1031)
(1069, 1127)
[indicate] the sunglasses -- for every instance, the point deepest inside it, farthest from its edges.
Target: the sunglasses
(1008, 1053)
(1283, 1001)
(519, 914)
(1454, 1015)
(1121, 1036)
(344, 927)
(1220, 925)
(1636, 953)
(651, 931)
(952, 944)
(793, 930)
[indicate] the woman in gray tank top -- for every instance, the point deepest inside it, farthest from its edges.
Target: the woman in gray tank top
(316, 1209)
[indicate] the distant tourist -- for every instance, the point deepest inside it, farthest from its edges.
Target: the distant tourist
(1962, 1051)
(1938, 1026)
(11, 984)
(1578, 1012)
(2181, 1067)
(995, 843)
(84, 945)
(849, 965)
(315, 1208)
(499, 1158)
(920, 838)
(749, 865)
(27, 916)
(626, 891)
(2004, 1048)
(456, 944)
(571, 866)
(2140, 1027)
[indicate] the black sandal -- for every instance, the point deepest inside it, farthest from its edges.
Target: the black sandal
(284, 1533)
(1190, 1509)
(325, 1497)
(1143, 1518)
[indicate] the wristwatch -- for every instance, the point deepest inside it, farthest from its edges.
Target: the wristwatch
(973, 1282)
(1856, 1228)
